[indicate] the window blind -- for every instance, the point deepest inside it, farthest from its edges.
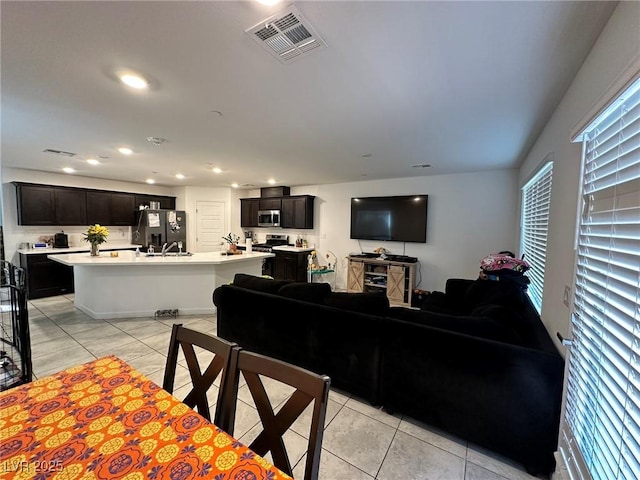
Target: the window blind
(536, 199)
(601, 428)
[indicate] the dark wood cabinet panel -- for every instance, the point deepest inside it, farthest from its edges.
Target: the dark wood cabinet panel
(123, 209)
(45, 277)
(249, 212)
(98, 209)
(36, 204)
(54, 205)
(270, 204)
(71, 206)
(297, 212)
(110, 208)
(290, 266)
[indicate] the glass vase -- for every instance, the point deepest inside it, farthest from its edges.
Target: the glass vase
(95, 249)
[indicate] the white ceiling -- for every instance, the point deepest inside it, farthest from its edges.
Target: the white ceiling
(463, 86)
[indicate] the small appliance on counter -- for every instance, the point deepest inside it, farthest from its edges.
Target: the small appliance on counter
(61, 240)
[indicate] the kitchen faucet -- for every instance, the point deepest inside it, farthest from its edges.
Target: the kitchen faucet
(165, 248)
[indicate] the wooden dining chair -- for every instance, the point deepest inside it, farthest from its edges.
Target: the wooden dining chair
(309, 386)
(224, 362)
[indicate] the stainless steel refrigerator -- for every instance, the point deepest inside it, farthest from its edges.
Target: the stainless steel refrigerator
(157, 227)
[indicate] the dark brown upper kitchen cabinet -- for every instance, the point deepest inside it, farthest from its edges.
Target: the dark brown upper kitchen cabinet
(297, 211)
(270, 204)
(249, 212)
(98, 208)
(110, 208)
(36, 204)
(71, 206)
(166, 203)
(123, 208)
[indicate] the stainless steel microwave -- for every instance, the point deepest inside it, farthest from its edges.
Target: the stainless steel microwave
(269, 218)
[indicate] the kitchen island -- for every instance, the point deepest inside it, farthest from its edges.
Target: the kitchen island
(138, 286)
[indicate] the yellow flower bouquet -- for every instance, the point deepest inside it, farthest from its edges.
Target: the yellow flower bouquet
(96, 234)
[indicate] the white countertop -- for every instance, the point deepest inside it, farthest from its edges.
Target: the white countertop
(289, 248)
(103, 247)
(129, 258)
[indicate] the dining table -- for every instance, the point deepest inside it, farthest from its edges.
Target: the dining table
(106, 420)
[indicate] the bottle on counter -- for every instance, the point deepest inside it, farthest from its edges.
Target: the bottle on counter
(137, 251)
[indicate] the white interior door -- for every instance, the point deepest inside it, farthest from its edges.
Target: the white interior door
(210, 226)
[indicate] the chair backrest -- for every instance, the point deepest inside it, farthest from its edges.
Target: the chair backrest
(309, 386)
(224, 361)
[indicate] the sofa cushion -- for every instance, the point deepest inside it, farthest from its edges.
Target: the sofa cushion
(307, 292)
(476, 326)
(261, 284)
(370, 303)
(485, 292)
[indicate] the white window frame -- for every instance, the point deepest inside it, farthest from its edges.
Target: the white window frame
(534, 227)
(600, 431)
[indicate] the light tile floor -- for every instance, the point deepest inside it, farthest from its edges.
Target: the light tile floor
(360, 441)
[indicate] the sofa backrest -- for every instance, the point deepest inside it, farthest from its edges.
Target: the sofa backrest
(482, 326)
(342, 344)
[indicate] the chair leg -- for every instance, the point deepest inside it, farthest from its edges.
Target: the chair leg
(172, 360)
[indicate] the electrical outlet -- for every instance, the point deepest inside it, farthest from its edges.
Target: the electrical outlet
(567, 295)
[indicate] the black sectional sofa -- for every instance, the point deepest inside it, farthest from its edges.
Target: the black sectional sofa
(475, 361)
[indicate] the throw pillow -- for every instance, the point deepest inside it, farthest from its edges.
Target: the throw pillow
(251, 282)
(307, 292)
(370, 303)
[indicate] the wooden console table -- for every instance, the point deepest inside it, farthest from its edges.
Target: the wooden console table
(371, 274)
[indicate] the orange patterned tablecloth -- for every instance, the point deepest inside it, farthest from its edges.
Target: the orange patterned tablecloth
(105, 420)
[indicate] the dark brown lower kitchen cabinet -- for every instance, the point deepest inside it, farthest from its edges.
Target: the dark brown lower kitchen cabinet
(290, 266)
(45, 277)
(297, 211)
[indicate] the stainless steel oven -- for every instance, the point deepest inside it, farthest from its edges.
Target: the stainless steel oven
(269, 218)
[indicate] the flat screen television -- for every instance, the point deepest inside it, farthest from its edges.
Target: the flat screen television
(395, 219)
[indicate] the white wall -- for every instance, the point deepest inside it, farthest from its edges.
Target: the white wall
(470, 215)
(14, 234)
(614, 50)
(189, 196)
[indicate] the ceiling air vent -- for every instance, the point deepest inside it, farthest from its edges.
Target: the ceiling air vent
(287, 35)
(59, 152)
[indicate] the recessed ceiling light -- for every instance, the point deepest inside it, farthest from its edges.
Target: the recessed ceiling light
(269, 3)
(271, 181)
(134, 81)
(234, 185)
(68, 170)
(179, 176)
(125, 151)
(217, 170)
(151, 181)
(93, 161)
